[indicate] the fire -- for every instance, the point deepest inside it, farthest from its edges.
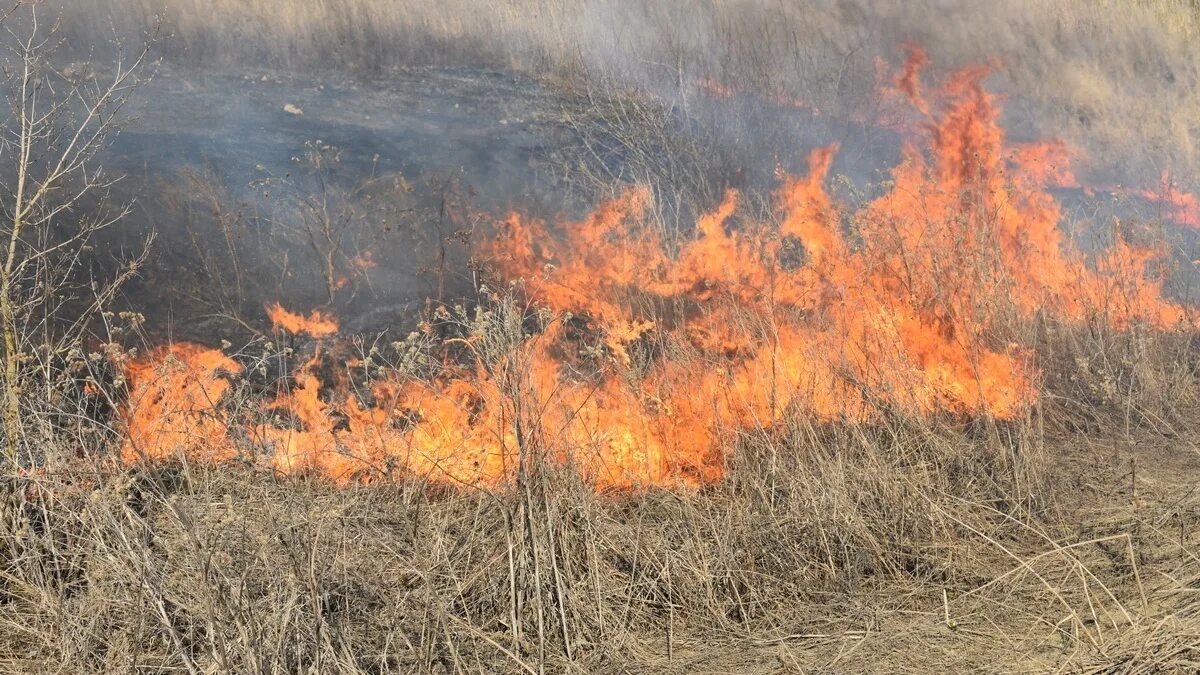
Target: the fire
(715, 88)
(315, 324)
(1177, 205)
(655, 360)
(463, 428)
(173, 405)
(1046, 164)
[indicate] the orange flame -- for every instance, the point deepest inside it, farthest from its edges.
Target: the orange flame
(1177, 205)
(659, 359)
(173, 405)
(315, 324)
(1046, 164)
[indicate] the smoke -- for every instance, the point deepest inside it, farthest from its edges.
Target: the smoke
(1117, 79)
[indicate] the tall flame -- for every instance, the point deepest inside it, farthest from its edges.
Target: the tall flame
(903, 306)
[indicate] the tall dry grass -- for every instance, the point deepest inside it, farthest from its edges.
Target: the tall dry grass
(900, 544)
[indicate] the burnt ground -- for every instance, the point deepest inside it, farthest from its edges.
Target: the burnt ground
(217, 166)
(486, 126)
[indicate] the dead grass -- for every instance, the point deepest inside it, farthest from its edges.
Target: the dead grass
(853, 555)
(902, 544)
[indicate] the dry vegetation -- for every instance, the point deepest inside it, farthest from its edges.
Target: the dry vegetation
(901, 545)
(1067, 539)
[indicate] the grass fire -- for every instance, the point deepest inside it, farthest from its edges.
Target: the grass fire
(624, 355)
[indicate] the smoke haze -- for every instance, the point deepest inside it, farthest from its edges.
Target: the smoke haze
(1117, 79)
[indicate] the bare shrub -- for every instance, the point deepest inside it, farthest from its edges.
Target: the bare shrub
(50, 296)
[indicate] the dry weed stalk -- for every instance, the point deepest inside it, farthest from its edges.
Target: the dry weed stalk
(54, 129)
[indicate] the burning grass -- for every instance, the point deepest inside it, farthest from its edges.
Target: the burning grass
(924, 432)
(639, 366)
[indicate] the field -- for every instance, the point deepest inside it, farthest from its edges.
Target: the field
(605, 337)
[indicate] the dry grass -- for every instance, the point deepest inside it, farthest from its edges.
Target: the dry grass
(900, 544)
(821, 556)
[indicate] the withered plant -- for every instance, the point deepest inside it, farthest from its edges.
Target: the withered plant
(52, 294)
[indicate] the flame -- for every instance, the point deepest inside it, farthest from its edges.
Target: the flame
(715, 88)
(908, 81)
(461, 428)
(315, 324)
(659, 359)
(1046, 164)
(1177, 205)
(173, 405)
